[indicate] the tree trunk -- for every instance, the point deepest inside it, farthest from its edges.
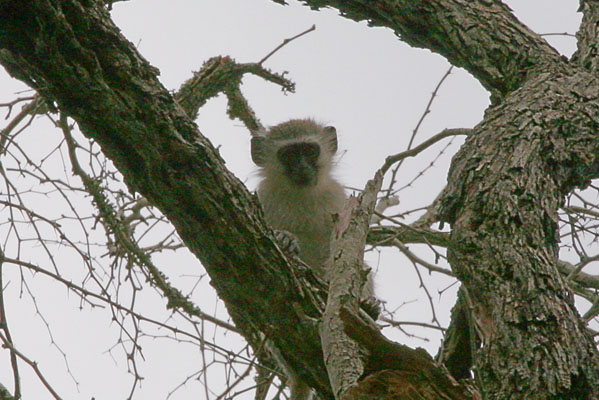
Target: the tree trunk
(507, 184)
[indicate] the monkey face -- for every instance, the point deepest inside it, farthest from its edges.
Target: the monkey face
(300, 162)
(296, 153)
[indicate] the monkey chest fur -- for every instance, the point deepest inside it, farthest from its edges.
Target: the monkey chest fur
(308, 214)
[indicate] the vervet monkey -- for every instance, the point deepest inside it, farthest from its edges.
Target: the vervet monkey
(299, 197)
(297, 193)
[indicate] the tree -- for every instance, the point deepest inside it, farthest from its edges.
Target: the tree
(515, 323)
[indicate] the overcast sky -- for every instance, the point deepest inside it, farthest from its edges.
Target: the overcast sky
(365, 81)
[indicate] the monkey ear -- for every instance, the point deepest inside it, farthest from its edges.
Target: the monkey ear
(257, 150)
(330, 134)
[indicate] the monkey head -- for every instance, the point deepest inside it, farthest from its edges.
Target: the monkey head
(297, 151)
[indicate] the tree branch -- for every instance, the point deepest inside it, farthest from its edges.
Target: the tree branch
(505, 187)
(401, 373)
(99, 79)
(223, 75)
(587, 54)
(461, 32)
(347, 278)
(390, 160)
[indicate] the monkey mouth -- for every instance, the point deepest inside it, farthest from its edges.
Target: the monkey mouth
(304, 181)
(302, 178)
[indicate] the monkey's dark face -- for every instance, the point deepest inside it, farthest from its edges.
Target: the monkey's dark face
(295, 154)
(300, 162)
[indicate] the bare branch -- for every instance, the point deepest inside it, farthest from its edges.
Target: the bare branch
(392, 322)
(117, 226)
(426, 112)
(573, 273)
(390, 160)
(285, 42)
(415, 259)
(7, 336)
(342, 356)
(223, 75)
(31, 363)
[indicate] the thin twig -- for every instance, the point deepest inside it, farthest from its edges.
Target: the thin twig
(413, 323)
(16, 101)
(417, 260)
(114, 225)
(105, 299)
(239, 379)
(389, 161)
(428, 105)
(558, 34)
(313, 27)
(415, 131)
(32, 364)
(4, 327)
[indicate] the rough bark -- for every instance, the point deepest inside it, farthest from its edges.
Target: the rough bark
(395, 371)
(506, 185)
(342, 355)
(461, 340)
(483, 37)
(588, 48)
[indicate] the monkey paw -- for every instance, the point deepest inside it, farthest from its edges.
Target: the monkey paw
(288, 243)
(372, 306)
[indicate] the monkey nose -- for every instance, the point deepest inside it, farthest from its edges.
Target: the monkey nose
(303, 176)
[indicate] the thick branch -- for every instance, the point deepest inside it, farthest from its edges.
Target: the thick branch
(342, 355)
(399, 372)
(73, 55)
(484, 37)
(587, 55)
(504, 190)
(223, 75)
(384, 236)
(583, 279)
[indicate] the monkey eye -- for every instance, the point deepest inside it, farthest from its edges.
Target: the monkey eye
(292, 154)
(311, 151)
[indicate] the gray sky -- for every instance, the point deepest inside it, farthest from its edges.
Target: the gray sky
(364, 81)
